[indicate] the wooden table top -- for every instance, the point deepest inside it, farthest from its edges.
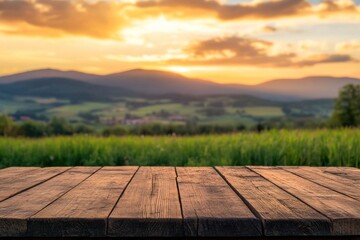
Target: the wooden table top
(178, 202)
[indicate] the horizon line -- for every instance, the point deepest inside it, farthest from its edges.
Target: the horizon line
(172, 72)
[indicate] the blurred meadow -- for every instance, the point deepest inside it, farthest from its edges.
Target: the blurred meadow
(339, 147)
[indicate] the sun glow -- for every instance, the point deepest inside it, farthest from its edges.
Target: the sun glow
(198, 39)
(178, 69)
(154, 25)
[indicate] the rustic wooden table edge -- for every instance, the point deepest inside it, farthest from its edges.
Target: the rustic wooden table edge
(250, 202)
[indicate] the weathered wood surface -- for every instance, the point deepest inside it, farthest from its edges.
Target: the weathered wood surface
(15, 211)
(150, 206)
(348, 173)
(19, 179)
(339, 184)
(84, 210)
(281, 213)
(211, 208)
(180, 202)
(343, 211)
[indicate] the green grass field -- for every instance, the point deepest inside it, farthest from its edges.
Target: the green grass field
(313, 148)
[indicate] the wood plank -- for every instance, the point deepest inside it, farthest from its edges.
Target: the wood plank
(343, 211)
(83, 211)
(15, 211)
(149, 207)
(344, 172)
(345, 186)
(211, 208)
(11, 171)
(282, 214)
(23, 179)
(9, 175)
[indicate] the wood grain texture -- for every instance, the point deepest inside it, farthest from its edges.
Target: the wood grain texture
(6, 173)
(238, 202)
(149, 207)
(282, 214)
(211, 208)
(83, 211)
(343, 172)
(342, 185)
(20, 179)
(15, 211)
(343, 211)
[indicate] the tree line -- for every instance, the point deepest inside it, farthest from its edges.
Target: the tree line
(60, 127)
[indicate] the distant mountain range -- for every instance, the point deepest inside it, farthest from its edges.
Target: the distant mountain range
(139, 82)
(63, 88)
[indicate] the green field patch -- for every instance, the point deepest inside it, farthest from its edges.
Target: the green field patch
(133, 99)
(113, 110)
(43, 101)
(234, 110)
(74, 110)
(227, 120)
(172, 108)
(48, 100)
(160, 101)
(263, 111)
(14, 106)
(226, 101)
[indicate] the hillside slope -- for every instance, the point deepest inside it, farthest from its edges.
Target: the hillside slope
(63, 88)
(309, 87)
(47, 73)
(154, 82)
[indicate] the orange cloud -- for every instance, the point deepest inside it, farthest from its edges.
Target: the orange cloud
(349, 46)
(105, 19)
(337, 6)
(251, 52)
(56, 18)
(256, 10)
(269, 29)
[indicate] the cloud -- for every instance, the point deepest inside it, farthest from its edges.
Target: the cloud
(269, 29)
(235, 50)
(56, 18)
(349, 46)
(313, 45)
(255, 10)
(336, 6)
(324, 58)
(106, 19)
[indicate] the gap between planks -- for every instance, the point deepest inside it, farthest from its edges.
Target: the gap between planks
(252, 209)
(67, 190)
(122, 193)
(334, 183)
(179, 196)
(40, 180)
(343, 211)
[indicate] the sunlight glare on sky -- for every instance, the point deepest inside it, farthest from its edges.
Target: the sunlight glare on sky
(227, 41)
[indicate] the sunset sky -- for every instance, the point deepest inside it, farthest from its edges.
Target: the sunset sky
(227, 41)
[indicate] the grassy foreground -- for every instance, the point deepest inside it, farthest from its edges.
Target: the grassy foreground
(314, 148)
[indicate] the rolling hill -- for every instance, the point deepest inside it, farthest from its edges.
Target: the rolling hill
(153, 82)
(147, 82)
(309, 87)
(48, 73)
(158, 82)
(63, 88)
